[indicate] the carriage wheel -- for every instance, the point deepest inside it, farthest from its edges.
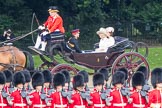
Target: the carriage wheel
(67, 67)
(132, 61)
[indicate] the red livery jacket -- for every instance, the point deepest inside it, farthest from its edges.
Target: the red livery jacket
(58, 101)
(78, 101)
(18, 101)
(118, 101)
(138, 101)
(155, 98)
(54, 24)
(36, 100)
(97, 101)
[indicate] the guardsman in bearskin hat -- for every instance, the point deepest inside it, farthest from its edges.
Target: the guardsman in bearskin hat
(78, 86)
(3, 100)
(138, 100)
(47, 80)
(118, 100)
(104, 71)
(67, 86)
(18, 82)
(37, 82)
(144, 70)
(8, 75)
(27, 76)
(86, 79)
(155, 97)
(98, 83)
(58, 100)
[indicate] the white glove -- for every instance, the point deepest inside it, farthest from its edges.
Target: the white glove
(41, 27)
(44, 33)
(83, 51)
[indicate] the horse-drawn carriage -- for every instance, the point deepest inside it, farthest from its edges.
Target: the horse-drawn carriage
(124, 53)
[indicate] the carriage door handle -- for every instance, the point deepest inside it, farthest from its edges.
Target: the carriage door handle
(106, 57)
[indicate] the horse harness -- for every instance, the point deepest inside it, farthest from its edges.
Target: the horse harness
(12, 65)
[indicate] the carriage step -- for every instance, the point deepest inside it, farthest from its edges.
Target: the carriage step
(38, 51)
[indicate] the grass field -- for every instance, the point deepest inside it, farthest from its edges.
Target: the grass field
(154, 59)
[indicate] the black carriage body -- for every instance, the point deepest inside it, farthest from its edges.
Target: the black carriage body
(96, 60)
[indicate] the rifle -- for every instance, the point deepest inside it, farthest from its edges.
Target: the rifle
(67, 94)
(51, 90)
(86, 95)
(24, 94)
(125, 91)
(144, 91)
(105, 94)
(6, 95)
(44, 96)
(29, 88)
(11, 88)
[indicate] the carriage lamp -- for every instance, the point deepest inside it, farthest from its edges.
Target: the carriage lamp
(98, 59)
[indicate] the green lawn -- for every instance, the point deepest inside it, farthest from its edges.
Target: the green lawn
(154, 59)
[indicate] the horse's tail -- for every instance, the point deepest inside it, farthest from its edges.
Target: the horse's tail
(29, 61)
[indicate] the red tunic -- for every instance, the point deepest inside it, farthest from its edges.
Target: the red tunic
(36, 100)
(138, 101)
(58, 101)
(54, 24)
(78, 101)
(155, 97)
(18, 101)
(3, 102)
(97, 101)
(118, 101)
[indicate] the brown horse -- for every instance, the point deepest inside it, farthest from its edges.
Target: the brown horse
(15, 59)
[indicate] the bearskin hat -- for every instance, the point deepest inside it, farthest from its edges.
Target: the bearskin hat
(37, 79)
(118, 78)
(78, 81)
(85, 75)
(67, 75)
(144, 70)
(18, 78)
(2, 78)
(47, 76)
(59, 79)
(104, 71)
(98, 79)
(156, 76)
(138, 79)
(125, 72)
(26, 75)
(8, 75)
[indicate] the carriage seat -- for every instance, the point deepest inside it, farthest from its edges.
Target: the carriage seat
(57, 37)
(121, 43)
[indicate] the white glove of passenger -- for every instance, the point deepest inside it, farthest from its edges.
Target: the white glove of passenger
(41, 27)
(44, 33)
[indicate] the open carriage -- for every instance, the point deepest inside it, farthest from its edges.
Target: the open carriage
(124, 53)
